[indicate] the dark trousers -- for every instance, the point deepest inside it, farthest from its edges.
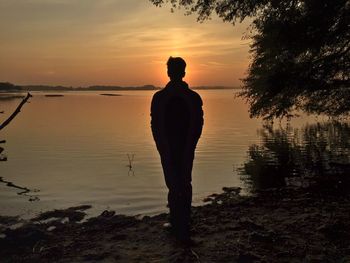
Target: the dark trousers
(177, 172)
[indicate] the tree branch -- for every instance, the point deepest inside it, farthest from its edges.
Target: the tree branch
(14, 114)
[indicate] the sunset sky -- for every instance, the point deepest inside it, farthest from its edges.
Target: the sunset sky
(114, 42)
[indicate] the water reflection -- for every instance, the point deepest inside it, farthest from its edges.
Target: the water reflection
(10, 97)
(315, 155)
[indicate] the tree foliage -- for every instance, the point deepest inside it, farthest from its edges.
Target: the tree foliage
(300, 52)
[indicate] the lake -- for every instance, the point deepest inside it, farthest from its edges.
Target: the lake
(74, 150)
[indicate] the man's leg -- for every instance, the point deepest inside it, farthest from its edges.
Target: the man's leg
(184, 210)
(186, 195)
(178, 179)
(170, 181)
(180, 198)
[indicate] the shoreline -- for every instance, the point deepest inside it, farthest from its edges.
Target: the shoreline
(277, 225)
(106, 89)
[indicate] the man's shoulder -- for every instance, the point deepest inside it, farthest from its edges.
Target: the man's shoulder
(195, 96)
(158, 94)
(194, 93)
(162, 93)
(169, 92)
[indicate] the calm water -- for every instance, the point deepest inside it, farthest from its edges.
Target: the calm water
(72, 150)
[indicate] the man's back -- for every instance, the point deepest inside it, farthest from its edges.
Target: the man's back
(177, 115)
(176, 124)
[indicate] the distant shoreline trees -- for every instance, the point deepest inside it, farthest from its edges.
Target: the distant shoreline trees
(6, 86)
(300, 48)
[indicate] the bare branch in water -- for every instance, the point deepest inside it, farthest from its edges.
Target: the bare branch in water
(14, 114)
(131, 159)
(3, 158)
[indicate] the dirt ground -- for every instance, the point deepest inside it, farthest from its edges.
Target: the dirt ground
(277, 225)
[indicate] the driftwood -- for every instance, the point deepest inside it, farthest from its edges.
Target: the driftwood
(14, 114)
(23, 190)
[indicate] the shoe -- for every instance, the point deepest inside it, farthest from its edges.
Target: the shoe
(168, 227)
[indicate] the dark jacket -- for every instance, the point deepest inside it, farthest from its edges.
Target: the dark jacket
(176, 118)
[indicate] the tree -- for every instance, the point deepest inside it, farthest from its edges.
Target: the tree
(300, 52)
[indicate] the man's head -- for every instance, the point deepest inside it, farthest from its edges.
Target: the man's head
(176, 68)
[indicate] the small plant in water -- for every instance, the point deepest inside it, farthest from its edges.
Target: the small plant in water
(3, 158)
(130, 165)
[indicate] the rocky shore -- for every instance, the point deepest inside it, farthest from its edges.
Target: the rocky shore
(276, 225)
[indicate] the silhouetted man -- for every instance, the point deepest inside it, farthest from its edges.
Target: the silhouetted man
(177, 120)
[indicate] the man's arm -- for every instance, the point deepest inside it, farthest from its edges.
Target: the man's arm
(199, 120)
(155, 117)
